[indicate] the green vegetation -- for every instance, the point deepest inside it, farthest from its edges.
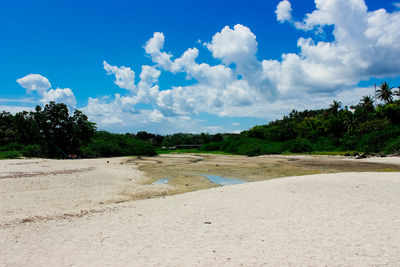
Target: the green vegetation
(52, 132)
(362, 127)
(105, 144)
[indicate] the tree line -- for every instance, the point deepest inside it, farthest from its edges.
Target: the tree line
(365, 127)
(54, 133)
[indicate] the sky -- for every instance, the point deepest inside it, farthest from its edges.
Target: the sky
(194, 66)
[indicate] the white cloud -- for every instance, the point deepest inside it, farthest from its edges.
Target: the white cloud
(59, 95)
(237, 45)
(365, 44)
(148, 88)
(153, 48)
(34, 82)
(40, 84)
(124, 76)
(218, 86)
(396, 4)
(15, 109)
(284, 11)
(156, 116)
(101, 109)
(111, 121)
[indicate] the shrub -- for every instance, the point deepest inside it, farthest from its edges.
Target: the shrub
(106, 144)
(393, 146)
(214, 146)
(298, 145)
(33, 151)
(12, 154)
(376, 141)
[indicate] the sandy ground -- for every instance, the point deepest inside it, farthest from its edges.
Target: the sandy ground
(40, 189)
(78, 213)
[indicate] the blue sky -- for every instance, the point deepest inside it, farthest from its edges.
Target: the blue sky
(245, 63)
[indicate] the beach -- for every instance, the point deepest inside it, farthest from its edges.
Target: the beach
(98, 212)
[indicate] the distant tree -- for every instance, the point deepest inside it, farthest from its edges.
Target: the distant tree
(217, 137)
(349, 121)
(367, 103)
(8, 131)
(385, 93)
(82, 129)
(335, 106)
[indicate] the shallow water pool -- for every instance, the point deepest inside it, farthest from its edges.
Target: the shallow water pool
(223, 180)
(161, 181)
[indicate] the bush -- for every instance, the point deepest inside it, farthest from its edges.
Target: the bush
(325, 144)
(393, 146)
(14, 146)
(12, 154)
(245, 146)
(214, 146)
(376, 141)
(298, 145)
(33, 151)
(106, 144)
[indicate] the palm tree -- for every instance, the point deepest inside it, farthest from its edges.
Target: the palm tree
(350, 121)
(385, 93)
(335, 106)
(367, 103)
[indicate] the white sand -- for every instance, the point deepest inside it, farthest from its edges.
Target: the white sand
(348, 219)
(49, 188)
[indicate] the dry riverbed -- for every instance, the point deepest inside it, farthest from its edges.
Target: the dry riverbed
(185, 171)
(81, 213)
(44, 189)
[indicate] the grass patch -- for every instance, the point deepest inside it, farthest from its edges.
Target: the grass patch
(187, 151)
(323, 153)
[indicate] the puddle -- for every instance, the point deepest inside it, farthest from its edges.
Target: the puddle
(223, 180)
(161, 181)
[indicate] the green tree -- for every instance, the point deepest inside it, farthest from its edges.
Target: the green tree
(335, 106)
(367, 103)
(385, 93)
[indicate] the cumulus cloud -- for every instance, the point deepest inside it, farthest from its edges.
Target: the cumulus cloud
(59, 95)
(148, 88)
(40, 84)
(34, 82)
(233, 45)
(365, 45)
(217, 86)
(284, 11)
(124, 76)
(153, 48)
(120, 109)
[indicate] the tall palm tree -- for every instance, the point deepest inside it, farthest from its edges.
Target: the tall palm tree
(367, 103)
(385, 93)
(335, 106)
